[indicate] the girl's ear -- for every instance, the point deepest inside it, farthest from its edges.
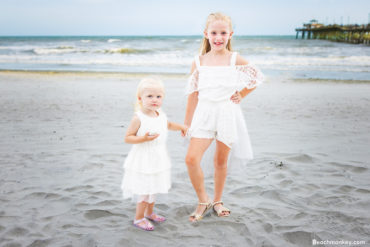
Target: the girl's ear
(205, 34)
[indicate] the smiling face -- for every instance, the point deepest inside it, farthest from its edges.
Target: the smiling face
(151, 98)
(218, 34)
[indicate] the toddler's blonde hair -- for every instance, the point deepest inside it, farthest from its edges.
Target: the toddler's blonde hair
(205, 46)
(147, 83)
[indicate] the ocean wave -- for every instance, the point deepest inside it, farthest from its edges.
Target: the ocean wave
(306, 51)
(257, 49)
(330, 61)
(62, 47)
(146, 58)
(98, 60)
(54, 50)
(301, 59)
(72, 49)
(125, 50)
(113, 40)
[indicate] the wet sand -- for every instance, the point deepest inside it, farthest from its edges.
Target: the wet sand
(62, 152)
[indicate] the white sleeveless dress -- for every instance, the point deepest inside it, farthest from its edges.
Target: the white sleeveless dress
(216, 116)
(147, 168)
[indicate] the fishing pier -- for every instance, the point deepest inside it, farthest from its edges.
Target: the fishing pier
(356, 34)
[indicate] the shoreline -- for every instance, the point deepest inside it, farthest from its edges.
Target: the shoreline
(89, 73)
(135, 75)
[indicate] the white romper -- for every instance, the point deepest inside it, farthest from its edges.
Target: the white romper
(147, 168)
(216, 116)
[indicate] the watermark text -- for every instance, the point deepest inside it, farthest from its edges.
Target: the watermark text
(338, 242)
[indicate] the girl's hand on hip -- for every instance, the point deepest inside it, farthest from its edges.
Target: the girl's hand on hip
(236, 97)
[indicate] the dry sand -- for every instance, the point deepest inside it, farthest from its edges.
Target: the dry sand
(62, 152)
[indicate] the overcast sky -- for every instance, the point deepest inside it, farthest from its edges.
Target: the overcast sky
(170, 17)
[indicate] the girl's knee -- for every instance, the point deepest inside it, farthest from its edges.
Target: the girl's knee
(220, 163)
(191, 160)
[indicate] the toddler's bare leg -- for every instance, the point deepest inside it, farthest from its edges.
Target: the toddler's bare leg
(140, 209)
(149, 209)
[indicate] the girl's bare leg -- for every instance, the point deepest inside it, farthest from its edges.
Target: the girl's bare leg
(220, 164)
(196, 149)
(149, 209)
(140, 209)
(151, 215)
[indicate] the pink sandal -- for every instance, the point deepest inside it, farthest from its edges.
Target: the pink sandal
(156, 218)
(147, 226)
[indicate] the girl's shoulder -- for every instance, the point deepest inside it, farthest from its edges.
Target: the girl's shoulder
(193, 67)
(141, 116)
(134, 124)
(136, 117)
(241, 60)
(202, 56)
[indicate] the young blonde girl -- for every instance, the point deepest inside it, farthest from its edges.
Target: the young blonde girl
(147, 168)
(219, 80)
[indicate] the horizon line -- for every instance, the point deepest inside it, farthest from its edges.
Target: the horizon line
(134, 35)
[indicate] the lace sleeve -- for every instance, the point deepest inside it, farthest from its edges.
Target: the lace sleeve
(249, 76)
(192, 85)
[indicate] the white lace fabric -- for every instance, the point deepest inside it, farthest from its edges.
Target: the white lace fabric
(240, 76)
(216, 116)
(249, 76)
(192, 85)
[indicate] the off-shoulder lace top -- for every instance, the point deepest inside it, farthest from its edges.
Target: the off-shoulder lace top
(216, 83)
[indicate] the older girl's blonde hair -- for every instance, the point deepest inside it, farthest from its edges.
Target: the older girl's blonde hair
(205, 46)
(147, 83)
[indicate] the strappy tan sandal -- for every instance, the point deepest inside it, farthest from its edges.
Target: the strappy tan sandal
(199, 217)
(220, 211)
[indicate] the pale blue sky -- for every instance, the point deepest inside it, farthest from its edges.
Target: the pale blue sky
(170, 17)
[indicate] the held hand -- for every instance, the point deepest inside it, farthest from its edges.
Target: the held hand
(236, 97)
(148, 137)
(184, 130)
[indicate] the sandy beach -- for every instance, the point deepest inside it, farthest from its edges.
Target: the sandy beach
(62, 152)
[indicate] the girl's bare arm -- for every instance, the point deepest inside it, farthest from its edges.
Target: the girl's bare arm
(131, 132)
(191, 104)
(176, 126)
(239, 95)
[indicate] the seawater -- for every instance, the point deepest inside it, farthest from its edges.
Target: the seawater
(275, 55)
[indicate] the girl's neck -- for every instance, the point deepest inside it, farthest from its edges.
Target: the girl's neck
(151, 113)
(219, 53)
(216, 58)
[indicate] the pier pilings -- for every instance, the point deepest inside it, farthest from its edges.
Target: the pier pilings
(356, 34)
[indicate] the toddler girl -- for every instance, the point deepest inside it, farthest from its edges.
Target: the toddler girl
(147, 168)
